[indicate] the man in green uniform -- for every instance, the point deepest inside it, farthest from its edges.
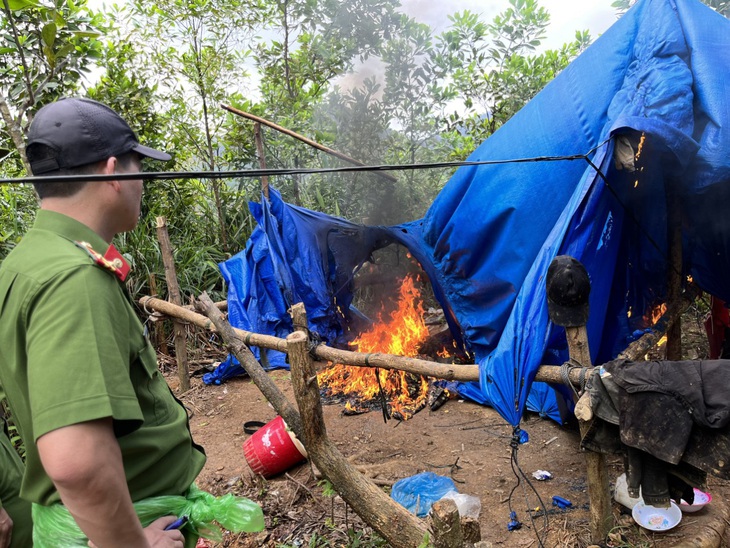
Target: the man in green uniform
(101, 427)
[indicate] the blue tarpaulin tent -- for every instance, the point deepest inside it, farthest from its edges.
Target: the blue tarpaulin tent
(645, 108)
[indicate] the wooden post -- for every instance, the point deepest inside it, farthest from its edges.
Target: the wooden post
(173, 292)
(398, 526)
(597, 472)
(262, 159)
(674, 269)
(158, 327)
(447, 531)
(568, 289)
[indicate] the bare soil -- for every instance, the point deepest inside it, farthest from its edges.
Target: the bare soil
(462, 440)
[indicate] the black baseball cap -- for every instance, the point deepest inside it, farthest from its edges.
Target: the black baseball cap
(568, 288)
(81, 131)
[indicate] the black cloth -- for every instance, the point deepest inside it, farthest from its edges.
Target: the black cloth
(670, 420)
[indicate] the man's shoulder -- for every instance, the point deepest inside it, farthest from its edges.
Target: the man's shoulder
(42, 255)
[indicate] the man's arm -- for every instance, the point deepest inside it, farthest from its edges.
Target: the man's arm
(85, 464)
(6, 528)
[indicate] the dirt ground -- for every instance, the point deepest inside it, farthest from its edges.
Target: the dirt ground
(462, 440)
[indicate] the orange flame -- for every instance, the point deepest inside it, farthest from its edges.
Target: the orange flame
(401, 334)
(640, 147)
(657, 312)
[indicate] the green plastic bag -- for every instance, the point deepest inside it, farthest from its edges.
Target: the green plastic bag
(54, 526)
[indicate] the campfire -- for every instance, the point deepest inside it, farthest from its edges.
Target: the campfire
(401, 333)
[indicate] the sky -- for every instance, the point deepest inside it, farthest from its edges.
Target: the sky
(566, 16)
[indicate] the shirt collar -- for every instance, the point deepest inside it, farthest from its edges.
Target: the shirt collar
(69, 228)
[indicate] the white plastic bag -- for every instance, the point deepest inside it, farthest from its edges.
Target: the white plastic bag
(468, 505)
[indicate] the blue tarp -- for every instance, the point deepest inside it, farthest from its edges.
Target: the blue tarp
(662, 70)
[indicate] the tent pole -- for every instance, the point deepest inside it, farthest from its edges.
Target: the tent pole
(258, 137)
(674, 270)
(303, 139)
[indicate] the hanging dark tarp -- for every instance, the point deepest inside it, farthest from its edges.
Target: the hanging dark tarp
(647, 103)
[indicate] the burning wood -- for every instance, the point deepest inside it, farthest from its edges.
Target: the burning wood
(402, 333)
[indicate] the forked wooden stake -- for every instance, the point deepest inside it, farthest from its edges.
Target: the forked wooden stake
(173, 291)
(597, 473)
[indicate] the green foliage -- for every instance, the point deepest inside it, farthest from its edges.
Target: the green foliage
(319, 41)
(328, 489)
(170, 64)
(48, 49)
(17, 204)
(196, 55)
(491, 70)
(44, 54)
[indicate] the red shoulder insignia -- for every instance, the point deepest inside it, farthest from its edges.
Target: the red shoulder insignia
(112, 260)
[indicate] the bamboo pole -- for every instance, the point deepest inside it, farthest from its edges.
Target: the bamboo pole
(258, 137)
(398, 526)
(303, 139)
(173, 290)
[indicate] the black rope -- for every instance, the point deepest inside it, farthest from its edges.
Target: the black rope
(514, 444)
(633, 217)
(315, 340)
(383, 399)
(234, 174)
(565, 370)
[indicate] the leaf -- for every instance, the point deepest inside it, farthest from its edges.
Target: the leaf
(86, 34)
(48, 34)
(16, 5)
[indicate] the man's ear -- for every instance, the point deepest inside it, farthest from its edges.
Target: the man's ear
(110, 168)
(110, 165)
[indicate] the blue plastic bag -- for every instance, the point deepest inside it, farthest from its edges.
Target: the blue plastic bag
(418, 493)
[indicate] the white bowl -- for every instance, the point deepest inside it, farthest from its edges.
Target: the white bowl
(657, 519)
(702, 499)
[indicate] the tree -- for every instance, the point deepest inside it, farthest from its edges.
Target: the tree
(440, 96)
(489, 71)
(196, 53)
(316, 42)
(48, 50)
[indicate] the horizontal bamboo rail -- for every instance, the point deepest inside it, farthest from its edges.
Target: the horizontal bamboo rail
(455, 372)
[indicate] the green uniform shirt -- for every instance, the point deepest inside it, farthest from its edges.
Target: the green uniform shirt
(73, 350)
